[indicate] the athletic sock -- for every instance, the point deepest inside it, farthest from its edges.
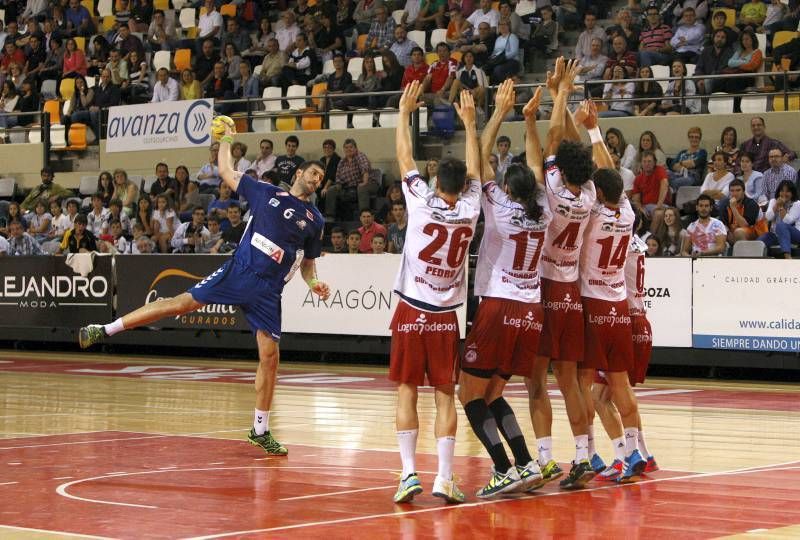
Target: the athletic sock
(642, 444)
(446, 447)
(545, 448)
(408, 450)
(631, 440)
(592, 449)
(509, 428)
(114, 328)
(581, 448)
(619, 448)
(485, 428)
(261, 422)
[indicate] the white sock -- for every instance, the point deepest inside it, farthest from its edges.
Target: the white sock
(114, 328)
(643, 446)
(408, 449)
(592, 449)
(581, 448)
(619, 448)
(261, 422)
(545, 445)
(446, 447)
(631, 440)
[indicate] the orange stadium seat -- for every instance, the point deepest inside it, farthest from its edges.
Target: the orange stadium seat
(183, 59)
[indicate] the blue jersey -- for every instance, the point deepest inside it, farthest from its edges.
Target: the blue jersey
(282, 231)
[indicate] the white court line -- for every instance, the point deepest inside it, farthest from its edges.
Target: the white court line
(8, 483)
(336, 493)
(62, 533)
(156, 436)
(63, 478)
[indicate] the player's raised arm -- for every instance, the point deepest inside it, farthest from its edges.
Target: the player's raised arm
(308, 269)
(408, 104)
(466, 111)
(503, 104)
(587, 115)
(556, 131)
(224, 160)
(533, 146)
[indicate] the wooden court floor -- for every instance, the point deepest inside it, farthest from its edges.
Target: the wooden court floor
(114, 446)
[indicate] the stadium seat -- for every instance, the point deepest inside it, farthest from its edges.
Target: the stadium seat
(58, 136)
(91, 82)
(337, 121)
(362, 119)
(34, 135)
(163, 5)
(456, 55)
(779, 104)
(19, 136)
(686, 194)
(423, 118)
(378, 63)
(285, 122)
(361, 43)
(66, 88)
(660, 72)
(178, 4)
(730, 16)
(438, 36)
(354, 66)
(88, 185)
(228, 10)
(297, 91)
(108, 22)
(317, 91)
(7, 187)
(80, 42)
(720, 105)
(762, 43)
(397, 15)
(388, 118)
(311, 122)
(690, 69)
(272, 104)
(187, 18)
(754, 104)
(161, 59)
(183, 59)
(327, 67)
(782, 37)
(749, 248)
(262, 124)
(431, 57)
(418, 37)
(49, 88)
(53, 107)
(240, 120)
(77, 137)
(88, 4)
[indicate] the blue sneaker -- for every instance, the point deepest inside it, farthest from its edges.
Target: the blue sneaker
(634, 467)
(409, 486)
(598, 465)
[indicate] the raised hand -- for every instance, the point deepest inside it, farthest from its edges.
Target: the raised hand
(586, 114)
(409, 100)
(571, 70)
(466, 107)
(506, 97)
(532, 107)
(554, 79)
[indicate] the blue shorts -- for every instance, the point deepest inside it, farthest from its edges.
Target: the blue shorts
(237, 285)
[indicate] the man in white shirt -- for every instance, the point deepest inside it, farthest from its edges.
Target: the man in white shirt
(583, 50)
(402, 46)
(287, 34)
(160, 34)
(689, 37)
(210, 24)
(410, 12)
(485, 14)
(165, 88)
(266, 159)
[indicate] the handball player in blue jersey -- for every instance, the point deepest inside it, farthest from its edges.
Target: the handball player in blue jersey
(284, 234)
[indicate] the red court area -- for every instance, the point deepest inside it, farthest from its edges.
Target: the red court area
(138, 485)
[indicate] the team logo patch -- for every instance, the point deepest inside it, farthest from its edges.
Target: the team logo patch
(274, 202)
(471, 355)
(309, 215)
(302, 224)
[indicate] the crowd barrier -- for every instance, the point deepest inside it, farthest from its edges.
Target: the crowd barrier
(734, 304)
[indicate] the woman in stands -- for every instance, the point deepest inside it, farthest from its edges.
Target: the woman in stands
(105, 187)
(671, 233)
(647, 89)
(190, 87)
(328, 38)
(368, 81)
(16, 75)
(79, 103)
(138, 89)
(8, 100)
(648, 141)
(14, 214)
(98, 55)
(125, 190)
(618, 91)
(231, 59)
(615, 141)
(258, 48)
(74, 60)
(688, 167)
(717, 181)
(728, 146)
(676, 89)
(783, 215)
(747, 59)
(183, 201)
(392, 76)
(163, 222)
(753, 181)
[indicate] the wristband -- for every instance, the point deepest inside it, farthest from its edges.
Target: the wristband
(595, 135)
(227, 139)
(312, 283)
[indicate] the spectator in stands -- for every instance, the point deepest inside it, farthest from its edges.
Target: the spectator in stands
(397, 230)
(164, 184)
(654, 248)
(37, 56)
(118, 68)
(364, 13)
(163, 223)
(378, 244)
(467, 7)
(98, 216)
(783, 215)
(79, 239)
(593, 67)
(626, 174)
(230, 238)
(482, 44)
(410, 13)
(752, 15)
(368, 81)
(707, 235)
(99, 53)
(381, 31)
(518, 28)
(678, 89)
(258, 45)
(106, 94)
(16, 75)
(718, 179)
(776, 12)
(469, 77)
(287, 33)
(503, 154)
(441, 74)
(188, 195)
(287, 164)
(778, 171)
(647, 89)
(432, 170)
(504, 60)
(143, 245)
(189, 237)
(391, 76)
(618, 91)
(753, 180)
(299, 68)
(161, 34)
(60, 224)
(338, 243)
(14, 213)
(116, 213)
(484, 14)
(272, 65)
(28, 102)
(214, 235)
(231, 60)
(47, 191)
(352, 184)
(8, 100)
(328, 39)
(208, 176)
(626, 28)
(144, 215)
(648, 141)
(11, 55)
(728, 146)
(127, 43)
(209, 26)
(393, 194)
(616, 143)
(35, 9)
(79, 103)
(746, 59)
(344, 15)
(105, 187)
(236, 36)
(238, 151)
(689, 36)
(330, 162)
(654, 40)
(353, 242)
(189, 86)
(39, 221)
(741, 215)
(54, 61)
(688, 167)
(369, 228)
(713, 60)
(265, 160)
(125, 190)
(700, 7)
(719, 22)
(760, 145)
(20, 242)
(621, 56)
(541, 38)
(583, 49)
(165, 88)
(137, 88)
(203, 63)
(245, 86)
(219, 88)
(459, 31)
(79, 20)
(402, 47)
(651, 193)
(431, 15)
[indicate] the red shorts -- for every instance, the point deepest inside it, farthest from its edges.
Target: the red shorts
(609, 336)
(562, 331)
(423, 343)
(504, 338)
(642, 348)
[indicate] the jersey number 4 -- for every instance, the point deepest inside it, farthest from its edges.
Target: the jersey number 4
(521, 251)
(459, 244)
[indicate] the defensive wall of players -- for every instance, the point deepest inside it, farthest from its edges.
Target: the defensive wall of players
(746, 305)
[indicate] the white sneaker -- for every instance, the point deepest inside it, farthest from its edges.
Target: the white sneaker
(447, 490)
(531, 476)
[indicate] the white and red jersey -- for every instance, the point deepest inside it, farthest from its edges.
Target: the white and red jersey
(562, 247)
(605, 250)
(704, 236)
(508, 263)
(432, 276)
(634, 276)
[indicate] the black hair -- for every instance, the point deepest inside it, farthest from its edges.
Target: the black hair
(214, 218)
(503, 138)
(787, 184)
(736, 182)
(80, 218)
(329, 142)
(418, 49)
(452, 176)
(523, 187)
(310, 163)
(704, 197)
(337, 230)
(574, 160)
(368, 210)
(354, 231)
(196, 208)
(292, 138)
(610, 182)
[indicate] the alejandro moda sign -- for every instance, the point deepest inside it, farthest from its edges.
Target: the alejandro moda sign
(155, 126)
(44, 291)
(142, 279)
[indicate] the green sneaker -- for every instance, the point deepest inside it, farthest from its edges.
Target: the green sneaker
(500, 483)
(408, 488)
(551, 471)
(89, 335)
(580, 474)
(267, 442)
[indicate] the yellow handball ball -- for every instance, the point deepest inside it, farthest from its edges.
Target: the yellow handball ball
(218, 126)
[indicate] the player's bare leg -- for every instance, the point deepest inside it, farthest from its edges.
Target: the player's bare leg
(542, 417)
(444, 429)
(407, 424)
(266, 374)
(567, 377)
(625, 401)
(612, 423)
(148, 313)
(586, 381)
